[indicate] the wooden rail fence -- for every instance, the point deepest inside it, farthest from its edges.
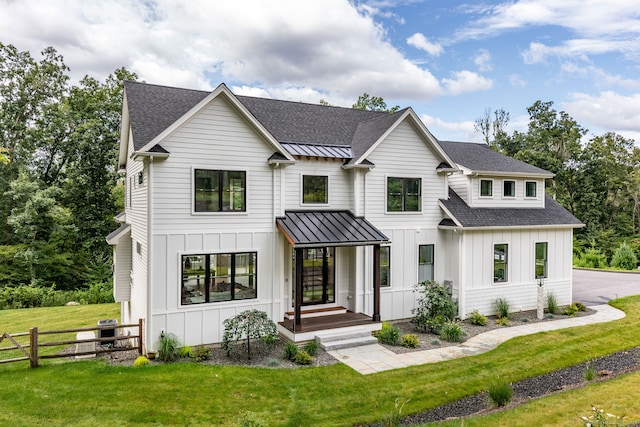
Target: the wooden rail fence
(31, 351)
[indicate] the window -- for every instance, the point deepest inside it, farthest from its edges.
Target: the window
(541, 260)
(486, 188)
(315, 189)
(500, 262)
(425, 263)
(509, 188)
(385, 266)
(138, 248)
(219, 191)
(140, 178)
(219, 277)
(404, 194)
(531, 189)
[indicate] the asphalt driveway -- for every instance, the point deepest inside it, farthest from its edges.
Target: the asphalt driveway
(598, 287)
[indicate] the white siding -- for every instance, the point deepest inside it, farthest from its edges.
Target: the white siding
(122, 270)
(460, 183)
(498, 200)
(340, 184)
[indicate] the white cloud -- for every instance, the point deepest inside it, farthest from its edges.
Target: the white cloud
(483, 60)
(419, 41)
(608, 111)
(516, 81)
(466, 81)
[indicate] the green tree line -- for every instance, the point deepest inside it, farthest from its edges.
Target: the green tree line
(597, 179)
(59, 188)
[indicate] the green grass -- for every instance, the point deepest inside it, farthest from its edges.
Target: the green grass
(93, 393)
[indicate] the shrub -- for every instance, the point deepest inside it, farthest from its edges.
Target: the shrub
(410, 341)
(250, 419)
(552, 303)
(590, 372)
(290, 350)
(140, 361)
(389, 334)
(500, 392)
(303, 358)
(502, 321)
(185, 352)
(434, 307)
(247, 326)
(435, 341)
(502, 308)
(571, 310)
(201, 353)
(311, 348)
(475, 318)
(452, 331)
(168, 347)
(580, 306)
(624, 258)
(592, 258)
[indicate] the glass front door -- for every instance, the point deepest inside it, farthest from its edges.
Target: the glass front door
(318, 276)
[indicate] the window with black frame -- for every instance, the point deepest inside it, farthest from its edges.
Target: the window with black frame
(219, 191)
(404, 194)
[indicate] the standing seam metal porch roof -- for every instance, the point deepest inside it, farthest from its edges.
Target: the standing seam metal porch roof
(328, 228)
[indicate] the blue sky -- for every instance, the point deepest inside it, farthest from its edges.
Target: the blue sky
(449, 60)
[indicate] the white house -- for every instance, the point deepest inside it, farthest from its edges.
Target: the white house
(303, 210)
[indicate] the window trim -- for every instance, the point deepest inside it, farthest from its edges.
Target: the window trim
(546, 260)
(490, 195)
(206, 255)
(302, 202)
(506, 267)
(192, 194)
(504, 188)
(404, 195)
(433, 260)
(526, 184)
(388, 267)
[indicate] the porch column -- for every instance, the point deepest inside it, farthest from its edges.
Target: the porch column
(298, 301)
(376, 283)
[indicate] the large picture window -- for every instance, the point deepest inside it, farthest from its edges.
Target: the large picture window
(541, 260)
(218, 277)
(404, 194)
(315, 189)
(385, 266)
(425, 263)
(500, 263)
(219, 191)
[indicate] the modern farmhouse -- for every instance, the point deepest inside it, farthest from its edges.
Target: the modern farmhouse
(301, 210)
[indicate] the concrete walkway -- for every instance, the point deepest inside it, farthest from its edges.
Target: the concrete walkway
(374, 358)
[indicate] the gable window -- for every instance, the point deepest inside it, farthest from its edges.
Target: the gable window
(509, 188)
(486, 188)
(218, 277)
(385, 266)
(425, 263)
(500, 262)
(404, 194)
(315, 189)
(219, 191)
(541, 260)
(531, 189)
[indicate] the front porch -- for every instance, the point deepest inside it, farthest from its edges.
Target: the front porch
(337, 324)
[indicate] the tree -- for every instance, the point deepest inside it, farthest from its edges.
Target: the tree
(492, 130)
(373, 103)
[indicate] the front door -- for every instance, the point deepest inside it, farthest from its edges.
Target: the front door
(318, 276)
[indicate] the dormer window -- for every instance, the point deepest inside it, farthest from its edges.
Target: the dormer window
(531, 189)
(509, 189)
(486, 188)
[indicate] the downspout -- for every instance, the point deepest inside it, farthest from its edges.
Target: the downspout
(148, 328)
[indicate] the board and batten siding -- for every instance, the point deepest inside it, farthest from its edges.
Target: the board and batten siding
(498, 200)
(216, 138)
(521, 286)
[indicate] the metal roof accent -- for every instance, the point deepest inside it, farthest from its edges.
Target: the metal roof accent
(312, 150)
(328, 228)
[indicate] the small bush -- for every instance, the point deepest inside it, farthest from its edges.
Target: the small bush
(140, 361)
(475, 318)
(502, 321)
(201, 353)
(502, 308)
(526, 320)
(290, 350)
(311, 347)
(580, 306)
(168, 347)
(589, 373)
(592, 258)
(303, 358)
(389, 334)
(435, 306)
(624, 258)
(185, 352)
(247, 327)
(435, 341)
(452, 331)
(550, 316)
(250, 419)
(571, 310)
(410, 341)
(552, 303)
(500, 392)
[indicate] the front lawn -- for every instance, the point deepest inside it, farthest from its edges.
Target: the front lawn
(94, 393)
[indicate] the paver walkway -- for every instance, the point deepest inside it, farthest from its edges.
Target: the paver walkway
(374, 358)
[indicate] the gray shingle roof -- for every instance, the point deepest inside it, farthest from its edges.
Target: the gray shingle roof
(553, 214)
(328, 228)
(481, 158)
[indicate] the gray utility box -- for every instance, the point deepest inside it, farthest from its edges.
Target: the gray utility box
(107, 332)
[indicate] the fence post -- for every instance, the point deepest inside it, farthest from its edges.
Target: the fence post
(140, 336)
(33, 347)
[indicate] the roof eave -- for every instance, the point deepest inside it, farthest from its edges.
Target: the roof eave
(512, 227)
(541, 175)
(138, 155)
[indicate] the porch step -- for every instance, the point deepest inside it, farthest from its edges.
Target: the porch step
(332, 341)
(317, 312)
